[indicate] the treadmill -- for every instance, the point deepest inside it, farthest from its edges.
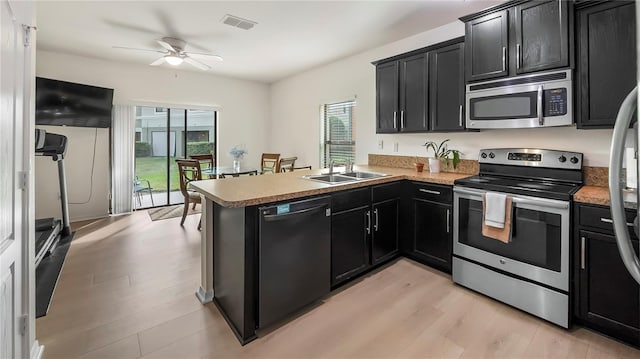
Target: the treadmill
(50, 230)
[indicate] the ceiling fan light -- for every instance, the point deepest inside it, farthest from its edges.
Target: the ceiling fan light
(173, 60)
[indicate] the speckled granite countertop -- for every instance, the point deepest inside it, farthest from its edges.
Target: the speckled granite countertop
(253, 190)
(600, 195)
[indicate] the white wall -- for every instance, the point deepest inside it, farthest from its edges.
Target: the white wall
(243, 119)
(295, 105)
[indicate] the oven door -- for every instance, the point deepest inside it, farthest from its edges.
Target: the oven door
(539, 246)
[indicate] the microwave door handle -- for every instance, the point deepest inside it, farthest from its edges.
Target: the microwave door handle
(625, 115)
(539, 107)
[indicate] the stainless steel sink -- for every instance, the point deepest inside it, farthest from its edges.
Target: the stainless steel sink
(363, 175)
(344, 177)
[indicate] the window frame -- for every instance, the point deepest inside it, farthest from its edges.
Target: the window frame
(326, 144)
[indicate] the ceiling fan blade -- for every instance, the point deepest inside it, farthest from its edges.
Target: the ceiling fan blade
(137, 49)
(212, 56)
(166, 45)
(196, 63)
(158, 62)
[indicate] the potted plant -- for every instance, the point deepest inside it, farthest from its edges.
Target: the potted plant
(419, 165)
(441, 151)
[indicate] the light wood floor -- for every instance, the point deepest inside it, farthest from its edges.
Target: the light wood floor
(127, 291)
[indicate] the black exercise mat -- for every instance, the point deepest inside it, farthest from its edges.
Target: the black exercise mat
(47, 275)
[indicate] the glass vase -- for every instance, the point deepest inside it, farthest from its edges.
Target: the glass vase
(236, 165)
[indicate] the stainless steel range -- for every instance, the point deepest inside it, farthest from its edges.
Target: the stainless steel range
(530, 271)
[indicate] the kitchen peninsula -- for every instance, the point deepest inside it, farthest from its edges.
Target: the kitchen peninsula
(231, 221)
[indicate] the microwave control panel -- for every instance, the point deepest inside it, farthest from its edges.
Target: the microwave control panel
(555, 102)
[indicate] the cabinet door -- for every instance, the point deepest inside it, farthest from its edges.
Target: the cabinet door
(349, 244)
(446, 88)
(432, 236)
(387, 97)
(487, 40)
(542, 35)
(609, 296)
(413, 94)
(606, 61)
(384, 242)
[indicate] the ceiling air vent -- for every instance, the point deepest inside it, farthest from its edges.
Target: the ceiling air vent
(238, 22)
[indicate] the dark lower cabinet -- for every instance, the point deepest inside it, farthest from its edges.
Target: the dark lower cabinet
(349, 244)
(384, 235)
(607, 297)
(606, 60)
(430, 234)
(364, 229)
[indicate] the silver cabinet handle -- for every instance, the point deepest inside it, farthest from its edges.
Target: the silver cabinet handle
(582, 252)
(517, 56)
(402, 119)
(368, 226)
(395, 120)
(460, 116)
(504, 59)
(375, 225)
(428, 191)
(608, 220)
(448, 225)
(539, 107)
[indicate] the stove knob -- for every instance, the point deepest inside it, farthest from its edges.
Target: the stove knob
(562, 159)
(574, 160)
(491, 155)
(483, 155)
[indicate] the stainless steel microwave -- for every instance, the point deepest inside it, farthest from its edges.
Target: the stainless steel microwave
(539, 100)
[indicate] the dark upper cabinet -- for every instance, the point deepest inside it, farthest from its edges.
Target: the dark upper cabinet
(606, 297)
(387, 97)
(429, 236)
(510, 40)
(606, 61)
(421, 91)
(446, 89)
(413, 94)
(487, 46)
(542, 35)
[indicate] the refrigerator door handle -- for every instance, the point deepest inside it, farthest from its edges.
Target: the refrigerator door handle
(623, 120)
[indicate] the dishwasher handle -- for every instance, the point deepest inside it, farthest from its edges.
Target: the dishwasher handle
(306, 211)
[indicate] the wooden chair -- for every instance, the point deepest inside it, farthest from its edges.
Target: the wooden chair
(206, 161)
(286, 164)
(270, 163)
(189, 170)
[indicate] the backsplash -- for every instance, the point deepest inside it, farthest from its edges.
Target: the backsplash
(465, 166)
(593, 176)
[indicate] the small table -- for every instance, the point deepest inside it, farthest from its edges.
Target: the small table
(214, 172)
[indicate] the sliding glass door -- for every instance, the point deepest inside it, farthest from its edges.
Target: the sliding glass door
(162, 136)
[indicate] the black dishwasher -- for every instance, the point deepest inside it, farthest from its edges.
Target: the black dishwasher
(294, 250)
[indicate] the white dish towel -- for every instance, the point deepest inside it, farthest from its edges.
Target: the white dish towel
(495, 204)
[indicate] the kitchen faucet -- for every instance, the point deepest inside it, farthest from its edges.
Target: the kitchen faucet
(348, 166)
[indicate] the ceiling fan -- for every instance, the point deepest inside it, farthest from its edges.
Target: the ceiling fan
(174, 53)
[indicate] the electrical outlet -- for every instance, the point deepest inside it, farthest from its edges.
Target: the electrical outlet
(380, 144)
(395, 147)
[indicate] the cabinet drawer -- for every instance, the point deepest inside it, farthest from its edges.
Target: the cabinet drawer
(432, 192)
(344, 200)
(385, 192)
(600, 217)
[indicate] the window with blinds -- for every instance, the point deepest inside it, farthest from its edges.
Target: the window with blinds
(338, 142)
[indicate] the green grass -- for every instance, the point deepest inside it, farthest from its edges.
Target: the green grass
(154, 169)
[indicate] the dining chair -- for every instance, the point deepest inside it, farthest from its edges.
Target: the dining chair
(286, 164)
(189, 170)
(206, 160)
(269, 163)
(140, 185)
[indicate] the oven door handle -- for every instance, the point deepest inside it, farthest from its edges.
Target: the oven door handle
(542, 202)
